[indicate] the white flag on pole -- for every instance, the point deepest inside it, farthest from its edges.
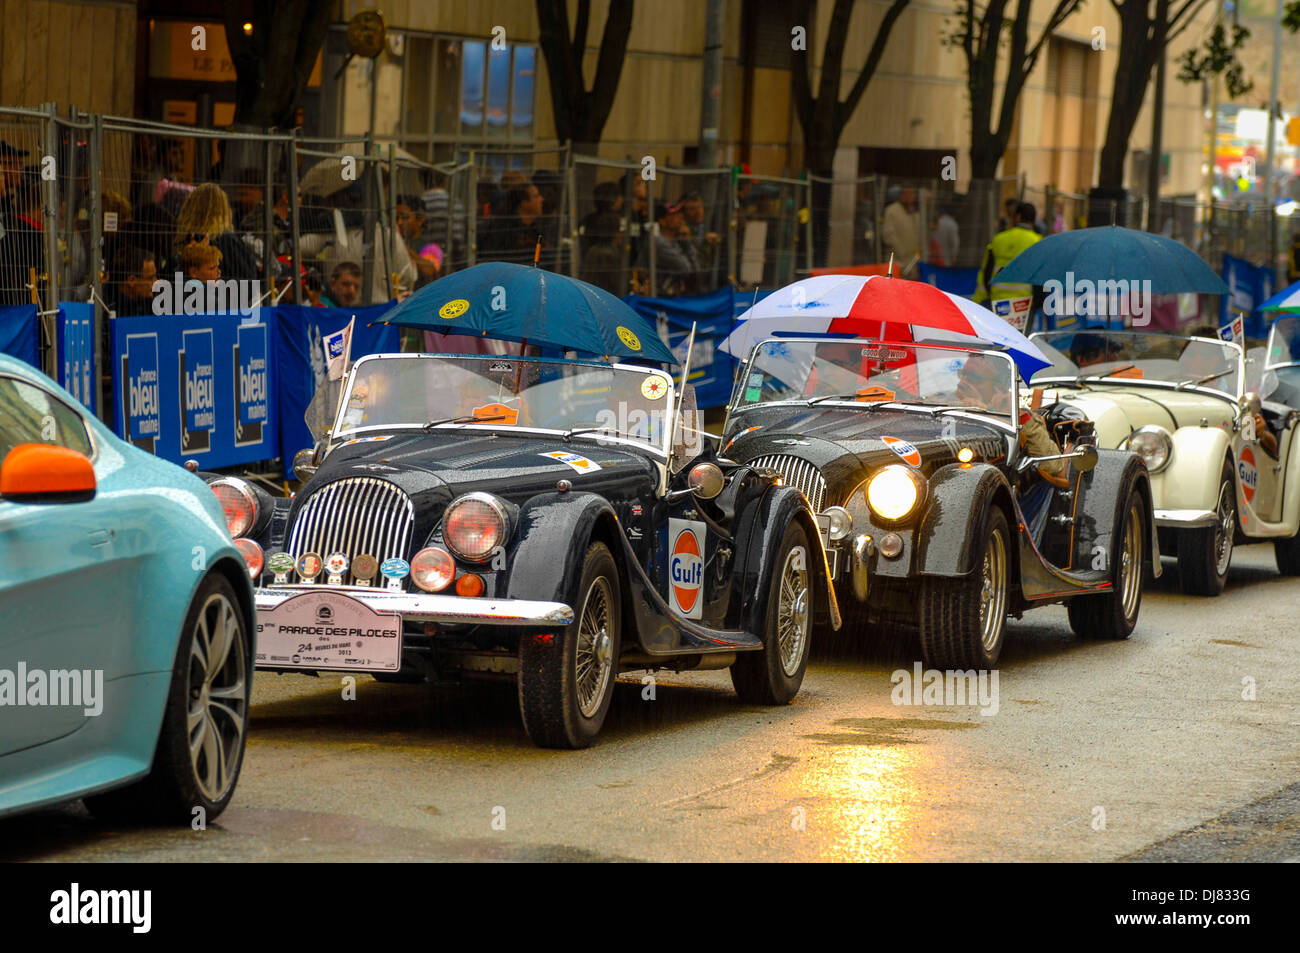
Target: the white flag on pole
(338, 351)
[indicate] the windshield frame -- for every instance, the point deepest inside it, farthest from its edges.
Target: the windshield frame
(1272, 332)
(338, 432)
(1088, 379)
(1008, 424)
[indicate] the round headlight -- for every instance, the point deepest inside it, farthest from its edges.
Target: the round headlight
(253, 557)
(238, 503)
(893, 492)
(433, 569)
(1154, 445)
(475, 525)
(840, 522)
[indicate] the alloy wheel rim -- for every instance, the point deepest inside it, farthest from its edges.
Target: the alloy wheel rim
(993, 592)
(792, 615)
(594, 658)
(217, 711)
(1223, 530)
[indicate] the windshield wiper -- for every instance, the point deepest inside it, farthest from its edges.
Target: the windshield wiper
(1197, 382)
(579, 431)
(466, 419)
(948, 408)
(1079, 381)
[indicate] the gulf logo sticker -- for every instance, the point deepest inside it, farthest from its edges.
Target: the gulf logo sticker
(577, 463)
(686, 567)
(1248, 474)
(905, 450)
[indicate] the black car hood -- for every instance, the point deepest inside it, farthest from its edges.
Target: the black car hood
(847, 443)
(434, 468)
(513, 467)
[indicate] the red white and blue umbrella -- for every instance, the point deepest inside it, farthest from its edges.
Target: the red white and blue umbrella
(877, 306)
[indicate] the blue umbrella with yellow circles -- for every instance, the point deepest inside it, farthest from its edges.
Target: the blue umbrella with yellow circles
(510, 302)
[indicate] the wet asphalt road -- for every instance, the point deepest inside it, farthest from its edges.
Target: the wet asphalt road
(1141, 750)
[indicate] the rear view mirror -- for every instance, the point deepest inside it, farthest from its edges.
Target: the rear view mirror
(39, 473)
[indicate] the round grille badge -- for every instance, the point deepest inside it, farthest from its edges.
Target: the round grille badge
(365, 567)
(453, 309)
(309, 565)
(280, 563)
(336, 564)
(395, 568)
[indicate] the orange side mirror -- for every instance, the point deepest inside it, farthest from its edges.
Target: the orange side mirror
(39, 473)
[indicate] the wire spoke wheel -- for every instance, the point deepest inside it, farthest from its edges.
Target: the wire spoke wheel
(593, 658)
(217, 712)
(792, 617)
(1225, 527)
(993, 591)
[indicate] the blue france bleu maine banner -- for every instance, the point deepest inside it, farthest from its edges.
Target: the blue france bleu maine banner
(1249, 286)
(713, 316)
(19, 336)
(76, 336)
(957, 281)
(300, 358)
(198, 387)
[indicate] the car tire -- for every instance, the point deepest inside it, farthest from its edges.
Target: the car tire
(963, 622)
(1114, 614)
(212, 689)
(773, 675)
(566, 679)
(1287, 554)
(1204, 555)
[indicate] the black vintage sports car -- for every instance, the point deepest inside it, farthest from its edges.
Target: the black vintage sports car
(531, 519)
(931, 511)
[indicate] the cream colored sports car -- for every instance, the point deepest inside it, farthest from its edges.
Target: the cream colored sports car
(1216, 430)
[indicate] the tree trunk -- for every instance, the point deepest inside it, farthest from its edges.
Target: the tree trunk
(580, 113)
(1132, 74)
(274, 62)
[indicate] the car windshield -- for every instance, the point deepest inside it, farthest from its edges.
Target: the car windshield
(866, 372)
(1284, 342)
(1138, 355)
(425, 390)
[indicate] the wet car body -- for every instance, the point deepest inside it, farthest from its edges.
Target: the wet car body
(888, 568)
(386, 490)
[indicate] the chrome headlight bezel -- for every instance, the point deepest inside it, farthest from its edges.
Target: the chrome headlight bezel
(1152, 443)
(496, 507)
(893, 472)
(841, 523)
(245, 493)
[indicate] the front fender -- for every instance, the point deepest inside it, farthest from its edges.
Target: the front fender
(759, 531)
(959, 496)
(1105, 490)
(1191, 481)
(545, 560)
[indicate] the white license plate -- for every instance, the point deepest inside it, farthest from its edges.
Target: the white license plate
(327, 629)
(824, 527)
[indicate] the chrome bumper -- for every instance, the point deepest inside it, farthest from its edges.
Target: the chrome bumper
(1186, 519)
(428, 607)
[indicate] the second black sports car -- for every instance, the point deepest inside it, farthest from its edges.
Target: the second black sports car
(932, 511)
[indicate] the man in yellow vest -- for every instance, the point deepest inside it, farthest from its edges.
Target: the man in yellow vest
(1012, 302)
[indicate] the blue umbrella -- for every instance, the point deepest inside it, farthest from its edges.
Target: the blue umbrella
(1288, 299)
(510, 302)
(1111, 253)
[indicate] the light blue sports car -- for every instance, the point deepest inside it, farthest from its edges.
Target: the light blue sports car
(126, 620)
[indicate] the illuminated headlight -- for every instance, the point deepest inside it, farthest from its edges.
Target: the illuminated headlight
(253, 556)
(1154, 445)
(433, 569)
(841, 523)
(238, 503)
(893, 492)
(474, 525)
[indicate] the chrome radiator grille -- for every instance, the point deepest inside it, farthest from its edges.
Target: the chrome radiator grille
(799, 474)
(353, 516)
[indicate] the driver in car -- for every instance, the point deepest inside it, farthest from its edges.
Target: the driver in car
(980, 383)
